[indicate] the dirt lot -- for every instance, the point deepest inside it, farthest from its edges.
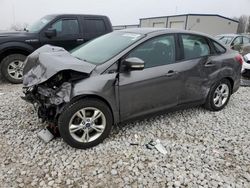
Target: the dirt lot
(204, 148)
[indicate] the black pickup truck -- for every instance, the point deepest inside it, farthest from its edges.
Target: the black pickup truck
(64, 30)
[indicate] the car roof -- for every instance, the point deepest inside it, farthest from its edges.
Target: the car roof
(87, 15)
(229, 35)
(154, 31)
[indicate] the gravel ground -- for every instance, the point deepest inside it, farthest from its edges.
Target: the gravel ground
(205, 149)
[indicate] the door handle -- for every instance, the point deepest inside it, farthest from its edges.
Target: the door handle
(209, 64)
(79, 40)
(171, 73)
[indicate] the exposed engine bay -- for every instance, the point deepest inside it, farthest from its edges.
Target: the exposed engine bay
(49, 97)
(49, 75)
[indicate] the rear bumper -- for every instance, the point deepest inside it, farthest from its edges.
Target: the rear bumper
(237, 80)
(236, 86)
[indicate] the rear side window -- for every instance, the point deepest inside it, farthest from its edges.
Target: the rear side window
(194, 46)
(66, 27)
(218, 48)
(95, 26)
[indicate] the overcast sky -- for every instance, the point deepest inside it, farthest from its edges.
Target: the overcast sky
(119, 11)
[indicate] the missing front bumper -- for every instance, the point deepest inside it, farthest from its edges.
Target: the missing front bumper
(47, 101)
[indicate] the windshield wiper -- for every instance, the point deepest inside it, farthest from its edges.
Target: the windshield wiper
(82, 59)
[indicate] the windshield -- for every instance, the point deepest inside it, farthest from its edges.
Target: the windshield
(225, 39)
(105, 47)
(38, 25)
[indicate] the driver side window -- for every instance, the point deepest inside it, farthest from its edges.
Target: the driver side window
(66, 27)
(156, 52)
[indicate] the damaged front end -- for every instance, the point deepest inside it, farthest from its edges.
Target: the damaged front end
(48, 100)
(49, 79)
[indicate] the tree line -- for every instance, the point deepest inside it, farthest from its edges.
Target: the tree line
(244, 24)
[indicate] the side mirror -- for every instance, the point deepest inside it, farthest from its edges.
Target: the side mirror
(50, 33)
(133, 63)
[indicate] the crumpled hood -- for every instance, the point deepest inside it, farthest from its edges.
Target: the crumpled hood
(48, 60)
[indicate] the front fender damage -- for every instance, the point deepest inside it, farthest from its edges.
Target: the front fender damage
(49, 74)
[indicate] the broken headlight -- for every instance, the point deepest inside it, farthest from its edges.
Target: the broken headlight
(28, 89)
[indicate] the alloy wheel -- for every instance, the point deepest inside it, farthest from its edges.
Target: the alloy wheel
(15, 69)
(221, 95)
(87, 124)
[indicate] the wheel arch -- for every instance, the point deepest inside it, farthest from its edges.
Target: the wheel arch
(213, 83)
(10, 48)
(94, 96)
(231, 82)
(227, 78)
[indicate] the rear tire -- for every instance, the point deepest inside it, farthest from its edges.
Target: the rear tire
(81, 128)
(218, 95)
(12, 68)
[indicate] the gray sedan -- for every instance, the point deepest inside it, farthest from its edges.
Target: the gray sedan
(125, 75)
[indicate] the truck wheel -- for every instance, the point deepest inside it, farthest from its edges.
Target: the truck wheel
(218, 95)
(85, 123)
(12, 68)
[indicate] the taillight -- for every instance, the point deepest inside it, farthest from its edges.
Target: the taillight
(239, 59)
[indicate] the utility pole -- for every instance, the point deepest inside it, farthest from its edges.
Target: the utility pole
(13, 14)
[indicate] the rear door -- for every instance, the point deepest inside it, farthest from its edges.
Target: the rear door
(154, 88)
(197, 67)
(93, 27)
(68, 33)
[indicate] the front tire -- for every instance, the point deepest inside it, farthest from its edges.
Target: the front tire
(12, 68)
(85, 123)
(218, 95)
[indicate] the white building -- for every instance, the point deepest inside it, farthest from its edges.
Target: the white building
(119, 27)
(212, 24)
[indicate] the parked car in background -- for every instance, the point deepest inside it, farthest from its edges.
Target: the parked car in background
(64, 30)
(246, 35)
(246, 63)
(245, 50)
(234, 41)
(127, 74)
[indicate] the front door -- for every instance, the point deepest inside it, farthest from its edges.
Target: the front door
(154, 88)
(68, 34)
